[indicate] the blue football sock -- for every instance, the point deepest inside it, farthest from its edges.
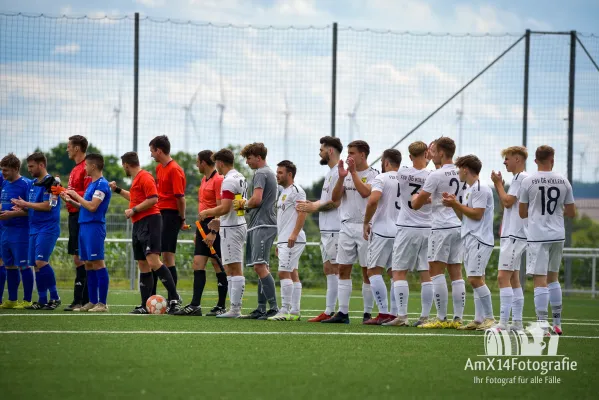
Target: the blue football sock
(49, 281)
(42, 291)
(14, 279)
(27, 277)
(2, 281)
(103, 283)
(92, 286)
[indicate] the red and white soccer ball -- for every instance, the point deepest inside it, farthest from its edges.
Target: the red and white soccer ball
(156, 305)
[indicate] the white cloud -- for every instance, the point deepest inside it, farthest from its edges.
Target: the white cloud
(151, 3)
(71, 48)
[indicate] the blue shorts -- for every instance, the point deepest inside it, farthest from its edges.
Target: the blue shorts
(91, 241)
(15, 254)
(41, 246)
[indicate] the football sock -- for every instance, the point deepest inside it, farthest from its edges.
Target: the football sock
(517, 304)
(92, 286)
(485, 300)
(379, 292)
(42, 291)
(541, 302)
(199, 282)
(14, 279)
(2, 281)
(458, 294)
(27, 278)
(441, 295)
(426, 298)
(332, 291)
(155, 282)
(286, 295)
(237, 289)
(345, 286)
(368, 297)
(229, 287)
(270, 291)
(506, 298)
(103, 283)
(167, 280)
(401, 290)
(49, 281)
(555, 299)
(296, 298)
(261, 296)
(173, 270)
(393, 309)
(80, 283)
(85, 294)
(478, 308)
(146, 283)
(222, 287)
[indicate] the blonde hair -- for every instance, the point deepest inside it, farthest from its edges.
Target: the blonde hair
(515, 150)
(417, 149)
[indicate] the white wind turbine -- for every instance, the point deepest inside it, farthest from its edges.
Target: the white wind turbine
(189, 118)
(287, 114)
(353, 124)
(116, 115)
(221, 106)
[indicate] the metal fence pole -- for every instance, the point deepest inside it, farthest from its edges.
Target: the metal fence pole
(594, 277)
(525, 131)
(334, 81)
(135, 81)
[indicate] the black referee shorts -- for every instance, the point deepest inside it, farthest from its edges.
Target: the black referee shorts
(201, 249)
(73, 246)
(146, 236)
(171, 225)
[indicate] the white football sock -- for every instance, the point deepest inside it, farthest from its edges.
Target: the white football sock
(458, 293)
(426, 298)
(344, 295)
(517, 304)
(237, 289)
(229, 288)
(541, 302)
(368, 297)
(484, 295)
(401, 290)
(478, 308)
(441, 295)
(379, 292)
(393, 310)
(296, 298)
(506, 298)
(332, 290)
(286, 294)
(555, 299)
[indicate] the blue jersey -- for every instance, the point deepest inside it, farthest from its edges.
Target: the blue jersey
(14, 190)
(1, 180)
(43, 221)
(97, 189)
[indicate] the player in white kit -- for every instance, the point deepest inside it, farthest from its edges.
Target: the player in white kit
(476, 212)
(233, 228)
(353, 189)
(512, 239)
(382, 210)
(444, 244)
(328, 221)
(411, 241)
(291, 242)
(545, 197)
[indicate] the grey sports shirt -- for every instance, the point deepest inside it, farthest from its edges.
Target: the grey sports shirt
(266, 214)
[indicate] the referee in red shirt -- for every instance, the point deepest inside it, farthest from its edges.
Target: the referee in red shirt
(78, 181)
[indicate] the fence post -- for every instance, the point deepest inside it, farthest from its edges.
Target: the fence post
(135, 81)
(568, 221)
(334, 81)
(525, 131)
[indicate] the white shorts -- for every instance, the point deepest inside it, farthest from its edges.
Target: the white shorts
(410, 249)
(380, 251)
(476, 256)
(289, 257)
(232, 241)
(328, 246)
(445, 245)
(543, 257)
(510, 254)
(352, 247)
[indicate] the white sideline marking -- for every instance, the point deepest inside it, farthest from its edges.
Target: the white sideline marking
(261, 333)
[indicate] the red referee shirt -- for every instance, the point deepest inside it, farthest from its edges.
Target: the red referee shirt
(78, 181)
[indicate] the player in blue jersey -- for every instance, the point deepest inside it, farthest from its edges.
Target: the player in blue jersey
(14, 233)
(92, 231)
(44, 229)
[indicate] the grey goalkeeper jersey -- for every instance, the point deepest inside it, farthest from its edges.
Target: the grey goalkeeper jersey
(266, 214)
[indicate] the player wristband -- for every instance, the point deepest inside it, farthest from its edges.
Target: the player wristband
(134, 210)
(213, 231)
(117, 190)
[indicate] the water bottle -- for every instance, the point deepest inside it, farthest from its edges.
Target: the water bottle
(241, 211)
(54, 197)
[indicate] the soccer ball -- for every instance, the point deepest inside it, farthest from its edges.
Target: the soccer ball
(156, 305)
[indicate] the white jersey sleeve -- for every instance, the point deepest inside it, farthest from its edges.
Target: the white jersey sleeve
(479, 196)
(287, 214)
(409, 182)
(328, 221)
(383, 221)
(235, 183)
(445, 179)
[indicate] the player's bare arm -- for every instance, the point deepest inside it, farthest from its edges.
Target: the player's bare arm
(449, 200)
(223, 208)
(256, 199)
(506, 200)
(363, 188)
(79, 201)
(144, 205)
(120, 191)
(420, 199)
(43, 206)
(339, 189)
(523, 210)
(299, 224)
(16, 212)
(371, 207)
(570, 210)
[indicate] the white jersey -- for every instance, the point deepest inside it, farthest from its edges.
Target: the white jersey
(235, 184)
(383, 221)
(328, 221)
(479, 196)
(287, 214)
(444, 179)
(512, 225)
(546, 193)
(410, 180)
(353, 205)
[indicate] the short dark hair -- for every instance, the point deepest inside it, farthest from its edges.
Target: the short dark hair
(162, 143)
(333, 142)
(95, 159)
(289, 166)
(471, 162)
(206, 156)
(38, 157)
(130, 158)
(544, 153)
(447, 145)
(81, 141)
(361, 146)
(254, 149)
(393, 156)
(224, 155)
(10, 161)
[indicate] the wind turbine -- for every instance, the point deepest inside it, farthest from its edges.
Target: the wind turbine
(582, 159)
(459, 120)
(287, 114)
(189, 118)
(116, 115)
(352, 119)
(221, 106)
